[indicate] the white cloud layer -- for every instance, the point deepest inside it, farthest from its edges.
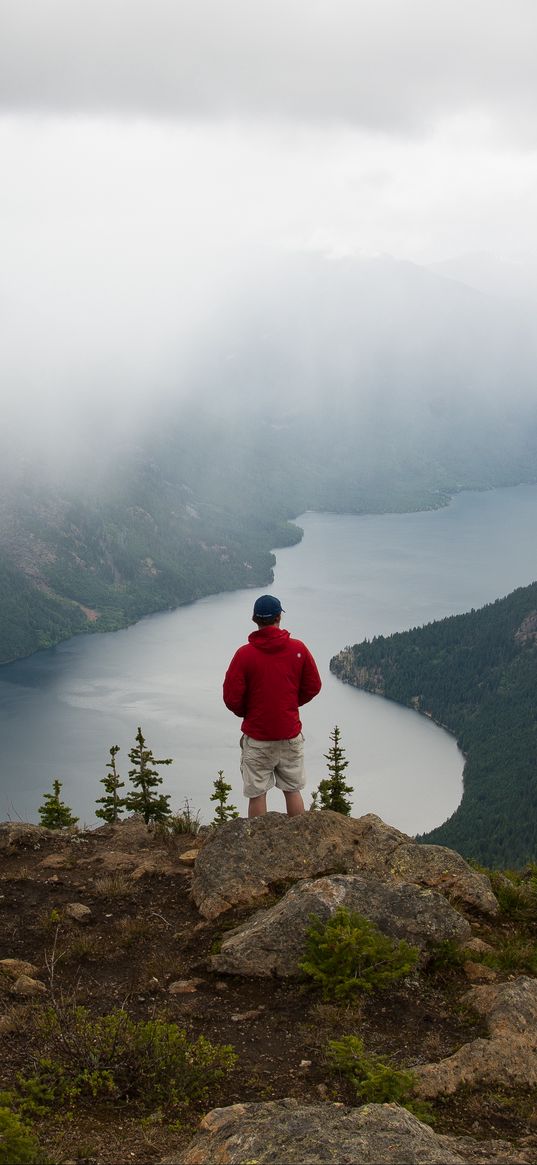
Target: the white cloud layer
(156, 152)
(396, 65)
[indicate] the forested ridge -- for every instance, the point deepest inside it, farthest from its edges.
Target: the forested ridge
(95, 559)
(476, 674)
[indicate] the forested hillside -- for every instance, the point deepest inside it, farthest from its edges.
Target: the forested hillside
(77, 560)
(331, 386)
(476, 674)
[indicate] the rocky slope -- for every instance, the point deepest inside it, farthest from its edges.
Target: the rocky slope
(206, 932)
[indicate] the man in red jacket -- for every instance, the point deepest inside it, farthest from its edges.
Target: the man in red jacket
(267, 681)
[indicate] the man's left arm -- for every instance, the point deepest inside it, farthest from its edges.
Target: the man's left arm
(310, 680)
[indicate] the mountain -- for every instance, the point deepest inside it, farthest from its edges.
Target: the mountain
(492, 276)
(476, 675)
(348, 386)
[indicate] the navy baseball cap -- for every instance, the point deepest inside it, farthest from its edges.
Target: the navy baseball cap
(267, 607)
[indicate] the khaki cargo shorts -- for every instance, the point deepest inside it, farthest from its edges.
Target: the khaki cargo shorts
(265, 763)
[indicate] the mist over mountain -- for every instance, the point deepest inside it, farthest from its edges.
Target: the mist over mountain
(333, 384)
(408, 374)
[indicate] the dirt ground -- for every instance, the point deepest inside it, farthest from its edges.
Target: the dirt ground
(143, 935)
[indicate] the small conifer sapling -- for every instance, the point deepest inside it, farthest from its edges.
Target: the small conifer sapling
(333, 792)
(144, 799)
(224, 811)
(54, 813)
(112, 804)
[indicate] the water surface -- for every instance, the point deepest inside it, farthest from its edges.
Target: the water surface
(350, 577)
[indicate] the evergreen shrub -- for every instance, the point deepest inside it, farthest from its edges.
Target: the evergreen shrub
(112, 803)
(333, 793)
(348, 955)
(145, 779)
(18, 1146)
(54, 813)
(224, 811)
(374, 1080)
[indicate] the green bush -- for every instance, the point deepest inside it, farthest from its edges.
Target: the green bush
(374, 1081)
(348, 954)
(18, 1145)
(447, 955)
(517, 901)
(151, 1063)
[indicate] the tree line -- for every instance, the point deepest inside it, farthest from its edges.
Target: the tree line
(146, 799)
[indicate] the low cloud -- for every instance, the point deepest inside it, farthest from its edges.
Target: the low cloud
(386, 65)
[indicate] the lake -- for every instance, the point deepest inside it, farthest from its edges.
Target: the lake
(351, 577)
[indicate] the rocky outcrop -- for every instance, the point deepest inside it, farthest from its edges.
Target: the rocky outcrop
(329, 1134)
(508, 1057)
(77, 912)
(15, 967)
(272, 942)
(527, 632)
(26, 985)
(19, 835)
(135, 864)
(243, 859)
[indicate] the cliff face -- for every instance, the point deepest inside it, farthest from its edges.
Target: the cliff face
(105, 920)
(370, 679)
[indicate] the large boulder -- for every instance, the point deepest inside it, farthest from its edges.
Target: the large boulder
(327, 1134)
(272, 941)
(508, 1058)
(243, 859)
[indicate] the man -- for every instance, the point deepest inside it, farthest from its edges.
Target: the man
(267, 681)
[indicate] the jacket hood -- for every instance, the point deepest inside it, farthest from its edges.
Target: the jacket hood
(269, 639)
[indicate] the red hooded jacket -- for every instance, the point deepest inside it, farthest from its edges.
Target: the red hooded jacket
(266, 682)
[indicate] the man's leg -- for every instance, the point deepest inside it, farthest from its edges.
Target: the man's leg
(290, 775)
(257, 806)
(294, 803)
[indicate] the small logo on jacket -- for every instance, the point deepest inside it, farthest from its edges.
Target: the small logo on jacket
(299, 655)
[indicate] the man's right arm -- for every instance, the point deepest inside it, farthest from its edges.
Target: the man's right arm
(235, 686)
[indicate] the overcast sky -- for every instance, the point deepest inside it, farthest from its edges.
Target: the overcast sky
(153, 149)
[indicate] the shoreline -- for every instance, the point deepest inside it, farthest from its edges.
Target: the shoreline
(444, 501)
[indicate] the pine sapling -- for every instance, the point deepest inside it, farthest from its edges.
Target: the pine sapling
(144, 799)
(54, 813)
(333, 792)
(112, 805)
(224, 811)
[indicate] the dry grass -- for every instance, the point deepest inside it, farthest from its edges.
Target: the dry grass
(15, 1017)
(115, 885)
(82, 948)
(432, 1046)
(131, 930)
